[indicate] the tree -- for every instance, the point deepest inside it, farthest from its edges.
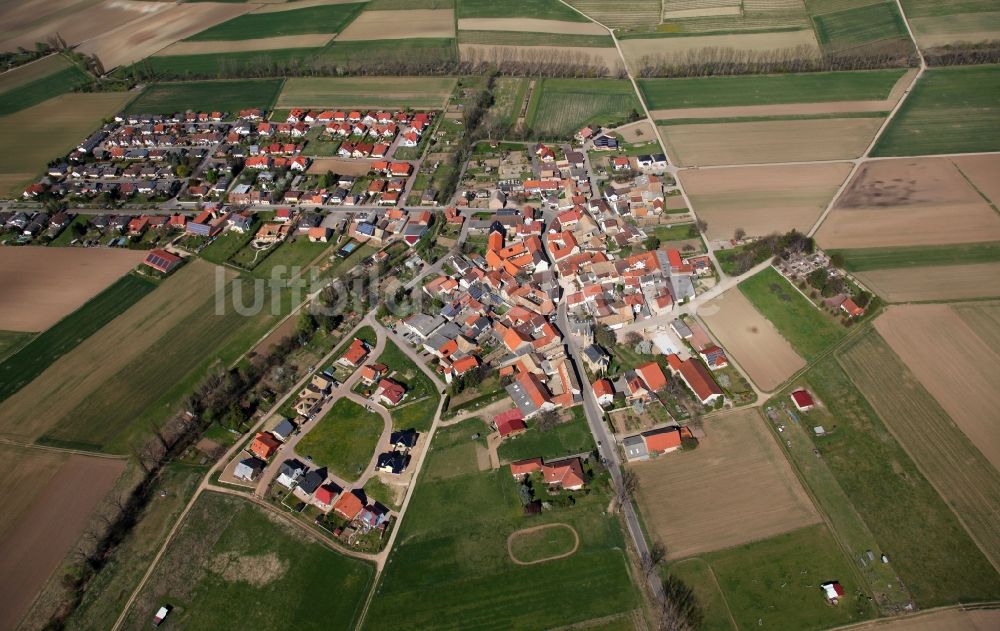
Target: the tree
(629, 485)
(182, 170)
(651, 243)
(739, 234)
(818, 278)
(862, 299)
(677, 608)
(651, 560)
(547, 420)
(837, 259)
(604, 335)
(702, 226)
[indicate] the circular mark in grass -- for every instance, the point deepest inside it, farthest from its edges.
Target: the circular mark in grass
(542, 543)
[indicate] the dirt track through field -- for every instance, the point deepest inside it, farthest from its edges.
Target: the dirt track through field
(958, 368)
(948, 620)
(924, 201)
(376, 25)
(41, 404)
(736, 487)
(751, 339)
(982, 172)
(42, 285)
(530, 25)
(762, 199)
(513, 535)
(314, 40)
(943, 282)
(47, 529)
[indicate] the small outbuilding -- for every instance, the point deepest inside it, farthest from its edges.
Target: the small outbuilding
(803, 400)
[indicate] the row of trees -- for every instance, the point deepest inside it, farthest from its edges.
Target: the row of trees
(963, 54)
(711, 61)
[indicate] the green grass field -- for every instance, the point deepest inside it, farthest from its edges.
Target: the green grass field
(697, 575)
(542, 544)
(570, 437)
(344, 440)
(807, 329)
(523, 38)
(225, 246)
(775, 582)
(951, 110)
(29, 362)
(227, 65)
(867, 259)
(812, 87)
(11, 341)
(559, 107)
(935, 8)
(450, 568)
(422, 397)
(320, 19)
(232, 561)
(423, 92)
(290, 258)
(366, 53)
(860, 25)
(893, 498)
(34, 92)
(227, 96)
(508, 95)
(537, 9)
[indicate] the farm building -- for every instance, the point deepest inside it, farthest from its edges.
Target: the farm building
(162, 261)
(509, 423)
(833, 591)
(803, 400)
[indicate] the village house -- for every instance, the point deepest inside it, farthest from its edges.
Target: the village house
(264, 445)
(697, 378)
(565, 474)
(355, 355)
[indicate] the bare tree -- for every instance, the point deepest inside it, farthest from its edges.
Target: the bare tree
(678, 608)
(739, 234)
(652, 560)
(702, 226)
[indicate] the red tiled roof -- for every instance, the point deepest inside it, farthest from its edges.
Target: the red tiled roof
(348, 505)
(603, 387)
(663, 439)
(356, 352)
(264, 445)
(652, 375)
(522, 467)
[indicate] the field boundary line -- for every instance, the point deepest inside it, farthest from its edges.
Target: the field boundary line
(975, 188)
(718, 586)
(66, 450)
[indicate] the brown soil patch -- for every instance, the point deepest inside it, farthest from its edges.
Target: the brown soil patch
(637, 132)
(18, 17)
(530, 25)
(736, 487)
(982, 171)
(283, 330)
(607, 57)
(41, 404)
(514, 535)
(945, 282)
(635, 49)
(483, 458)
(762, 199)
(702, 12)
(43, 285)
(958, 368)
(340, 166)
(904, 202)
(751, 339)
(763, 142)
(284, 5)
(950, 620)
(24, 472)
(675, 202)
(151, 32)
(48, 528)
(314, 40)
(256, 569)
(792, 109)
(78, 22)
(400, 25)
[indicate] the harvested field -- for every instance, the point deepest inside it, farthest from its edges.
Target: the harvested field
(636, 49)
(751, 339)
(420, 92)
(376, 25)
(639, 131)
(315, 40)
(42, 285)
(736, 487)
(141, 38)
(950, 29)
(340, 166)
(763, 199)
(947, 620)
(941, 282)
(761, 142)
(48, 130)
(585, 55)
(960, 472)
(49, 499)
(85, 397)
(38, 69)
(908, 202)
(18, 17)
(530, 25)
(982, 172)
(958, 368)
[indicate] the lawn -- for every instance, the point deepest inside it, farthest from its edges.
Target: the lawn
(559, 107)
(291, 258)
(224, 246)
(344, 440)
(450, 568)
(567, 438)
(42, 89)
(811, 87)
(775, 582)
(424, 92)
(231, 561)
(102, 601)
(676, 232)
(226, 96)
(893, 498)
(867, 259)
(11, 341)
(807, 329)
(319, 19)
(860, 25)
(950, 110)
(417, 409)
(536, 9)
(29, 362)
